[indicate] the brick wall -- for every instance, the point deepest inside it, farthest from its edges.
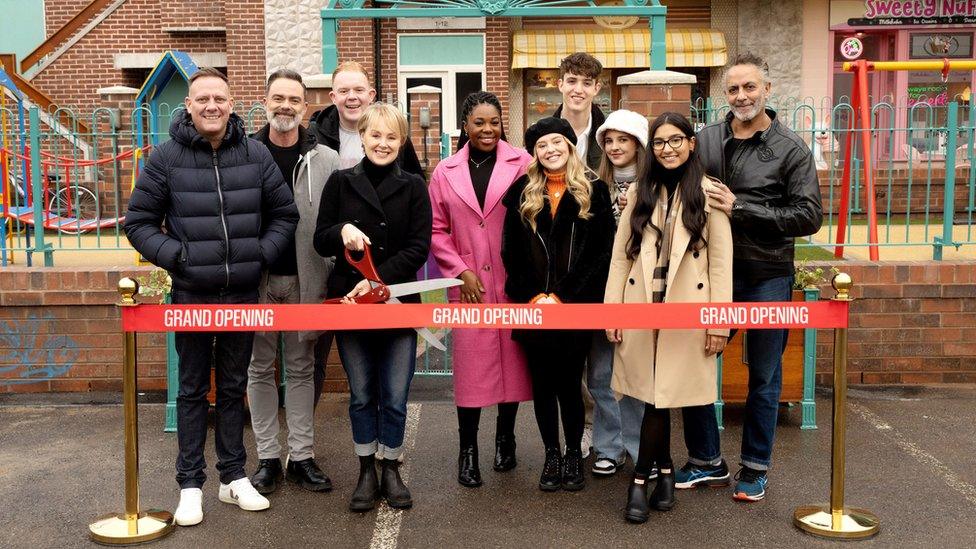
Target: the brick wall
(137, 27)
(60, 332)
(911, 323)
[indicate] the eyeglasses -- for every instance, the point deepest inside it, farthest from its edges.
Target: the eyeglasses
(674, 141)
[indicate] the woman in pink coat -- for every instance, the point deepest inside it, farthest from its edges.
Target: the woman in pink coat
(465, 193)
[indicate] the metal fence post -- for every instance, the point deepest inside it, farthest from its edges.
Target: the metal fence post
(37, 191)
(808, 406)
(949, 192)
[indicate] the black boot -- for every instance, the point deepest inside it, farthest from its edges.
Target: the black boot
(308, 475)
(392, 486)
(637, 508)
(505, 453)
(468, 472)
(662, 498)
(573, 478)
(552, 471)
(266, 479)
(367, 491)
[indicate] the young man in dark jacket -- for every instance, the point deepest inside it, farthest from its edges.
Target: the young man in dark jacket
(298, 276)
(579, 82)
(227, 214)
(337, 126)
(771, 193)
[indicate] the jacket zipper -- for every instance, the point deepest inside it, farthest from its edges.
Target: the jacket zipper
(572, 238)
(548, 261)
(223, 223)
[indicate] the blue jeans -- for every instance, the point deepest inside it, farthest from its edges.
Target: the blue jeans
(228, 354)
(380, 366)
(616, 424)
(764, 349)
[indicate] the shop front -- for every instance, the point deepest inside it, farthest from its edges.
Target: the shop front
(908, 30)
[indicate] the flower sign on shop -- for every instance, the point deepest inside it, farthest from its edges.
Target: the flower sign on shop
(851, 48)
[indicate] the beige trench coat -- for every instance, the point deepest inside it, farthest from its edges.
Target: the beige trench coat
(677, 372)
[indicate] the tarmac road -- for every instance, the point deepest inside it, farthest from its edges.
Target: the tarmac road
(910, 460)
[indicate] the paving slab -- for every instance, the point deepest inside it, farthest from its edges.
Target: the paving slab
(910, 460)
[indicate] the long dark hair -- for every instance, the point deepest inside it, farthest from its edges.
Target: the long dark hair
(470, 102)
(649, 188)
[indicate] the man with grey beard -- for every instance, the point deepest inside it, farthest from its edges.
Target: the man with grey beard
(770, 191)
(298, 276)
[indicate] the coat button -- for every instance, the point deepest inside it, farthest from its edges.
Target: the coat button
(382, 224)
(695, 255)
(700, 285)
(482, 224)
(381, 248)
(487, 267)
(631, 281)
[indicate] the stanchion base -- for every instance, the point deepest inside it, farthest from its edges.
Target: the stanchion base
(114, 529)
(855, 523)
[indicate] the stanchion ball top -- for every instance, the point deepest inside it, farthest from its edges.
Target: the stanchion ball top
(843, 283)
(128, 287)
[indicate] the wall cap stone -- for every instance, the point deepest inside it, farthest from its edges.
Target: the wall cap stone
(657, 77)
(318, 81)
(424, 89)
(117, 90)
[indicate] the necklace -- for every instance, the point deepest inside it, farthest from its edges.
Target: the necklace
(478, 165)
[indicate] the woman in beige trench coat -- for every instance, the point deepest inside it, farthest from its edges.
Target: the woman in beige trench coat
(670, 247)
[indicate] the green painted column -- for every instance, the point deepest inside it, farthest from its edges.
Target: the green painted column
(37, 190)
(808, 406)
(172, 376)
(330, 48)
(949, 196)
(659, 60)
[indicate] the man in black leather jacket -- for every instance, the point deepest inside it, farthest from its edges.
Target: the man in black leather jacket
(771, 193)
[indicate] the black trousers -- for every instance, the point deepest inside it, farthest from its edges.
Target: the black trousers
(556, 368)
(229, 354)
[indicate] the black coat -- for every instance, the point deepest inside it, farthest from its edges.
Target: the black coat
(566, 256)
(324, 125)
(227, 212)
(396, 216)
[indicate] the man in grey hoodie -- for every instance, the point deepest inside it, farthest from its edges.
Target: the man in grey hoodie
(298, 276)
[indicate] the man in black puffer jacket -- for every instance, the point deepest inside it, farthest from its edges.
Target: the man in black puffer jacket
(227, 214)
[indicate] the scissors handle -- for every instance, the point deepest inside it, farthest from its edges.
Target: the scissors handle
(364, 265)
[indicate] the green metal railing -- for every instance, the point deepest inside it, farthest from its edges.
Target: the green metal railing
(925, 187)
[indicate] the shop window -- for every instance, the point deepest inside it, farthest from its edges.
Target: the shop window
(941, 45)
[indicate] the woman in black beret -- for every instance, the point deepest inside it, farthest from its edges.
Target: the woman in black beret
(556, 246)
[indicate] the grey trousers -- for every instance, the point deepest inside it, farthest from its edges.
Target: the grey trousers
(262, 390)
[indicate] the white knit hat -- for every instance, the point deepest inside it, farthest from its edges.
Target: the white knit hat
(625, 121)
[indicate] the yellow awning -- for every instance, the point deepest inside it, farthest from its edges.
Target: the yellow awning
(618, 49)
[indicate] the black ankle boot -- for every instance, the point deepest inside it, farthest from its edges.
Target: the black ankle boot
(392, 486)
(367, 491)
(662, 498)
(573, 478)
(505, 453)
(468, 472)
(637, 508)
(552, 471)
(266, 479)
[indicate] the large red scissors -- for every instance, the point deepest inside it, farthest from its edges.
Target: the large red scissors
(383, 293)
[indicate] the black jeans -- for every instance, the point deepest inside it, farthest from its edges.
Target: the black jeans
(229, 354)
(556, 368)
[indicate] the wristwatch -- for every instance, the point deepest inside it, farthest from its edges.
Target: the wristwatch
(736, 204)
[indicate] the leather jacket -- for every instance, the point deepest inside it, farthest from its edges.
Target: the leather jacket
(774, 179)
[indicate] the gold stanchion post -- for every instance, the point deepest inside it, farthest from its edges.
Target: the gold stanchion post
(836, 520)
(133, 526)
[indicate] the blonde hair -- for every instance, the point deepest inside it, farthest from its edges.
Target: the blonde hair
(384, 113)
(534, 193)
(350, 66)
(605, 171)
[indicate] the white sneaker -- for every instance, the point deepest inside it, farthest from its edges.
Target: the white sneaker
(587, 443)
(242, 494)
(190, 510)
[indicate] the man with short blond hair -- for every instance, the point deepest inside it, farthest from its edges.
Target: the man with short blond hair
(337, 125)
(227, 214)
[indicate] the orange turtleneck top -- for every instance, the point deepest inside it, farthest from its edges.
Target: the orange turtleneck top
(555, 188)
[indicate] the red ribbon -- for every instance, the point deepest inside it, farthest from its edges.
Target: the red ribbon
(226, 318)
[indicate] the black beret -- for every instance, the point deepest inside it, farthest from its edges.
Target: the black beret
(545, 127)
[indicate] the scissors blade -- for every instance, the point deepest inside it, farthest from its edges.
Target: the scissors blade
(428, 336)
(409, 288)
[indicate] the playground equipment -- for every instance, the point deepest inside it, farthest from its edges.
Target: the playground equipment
(7, 85)
(167, 84)
(861, 123)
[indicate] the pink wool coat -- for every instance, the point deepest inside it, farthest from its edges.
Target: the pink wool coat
(489, 367)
